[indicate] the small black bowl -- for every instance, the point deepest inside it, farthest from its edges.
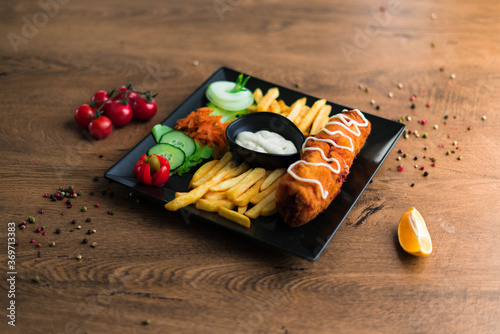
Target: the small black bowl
(257, 121)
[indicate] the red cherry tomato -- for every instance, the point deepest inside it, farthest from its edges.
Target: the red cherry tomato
(120, 114)
(98, 98)
(83, 115)
(131, 95)
(143, 109)
(100, 127)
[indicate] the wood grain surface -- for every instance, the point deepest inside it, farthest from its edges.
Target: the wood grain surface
(187, 276)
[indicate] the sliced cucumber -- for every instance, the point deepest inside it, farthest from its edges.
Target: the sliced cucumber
(159, 130)
(174, 155)
(180, 140)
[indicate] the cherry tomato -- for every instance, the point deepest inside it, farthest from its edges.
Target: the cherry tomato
(100, 127)
(120, 114)
(100, 95)
(143, 109)
(131, 95)
(83, 115)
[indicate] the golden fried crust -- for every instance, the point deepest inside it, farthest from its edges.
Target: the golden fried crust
(299, 202)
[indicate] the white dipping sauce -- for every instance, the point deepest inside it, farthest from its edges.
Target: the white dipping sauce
(266, 142)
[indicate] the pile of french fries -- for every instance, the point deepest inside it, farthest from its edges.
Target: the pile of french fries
(308, 119)
(236, 192)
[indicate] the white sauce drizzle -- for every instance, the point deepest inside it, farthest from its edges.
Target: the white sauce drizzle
(346, 123)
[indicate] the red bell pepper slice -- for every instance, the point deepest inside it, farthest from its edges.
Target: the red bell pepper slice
(142, 171)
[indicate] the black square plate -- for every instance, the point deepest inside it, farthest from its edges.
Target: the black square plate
(307, 241)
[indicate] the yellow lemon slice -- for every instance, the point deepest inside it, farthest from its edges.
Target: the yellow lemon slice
(413, 234)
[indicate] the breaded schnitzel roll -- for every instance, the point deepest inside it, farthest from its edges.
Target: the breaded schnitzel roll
(311, 183)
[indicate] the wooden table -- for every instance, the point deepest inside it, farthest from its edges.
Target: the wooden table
(192, 277)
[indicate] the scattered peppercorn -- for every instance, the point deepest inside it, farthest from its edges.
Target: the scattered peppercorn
(31, 219)
(146, 322)
(96, 205)
(110, 212)
(73, 221)
(52, 244)
(89, 232)
(91, 193)
(412, 185)
(415, 158)
(94, 244)
(459, 157)
(426, 173)
(44, 234)
(84, 209)
(88, 220)
(58, 231)
(39, 245)
(79, 257)
(36, 279)
(84, 241)
(400, 168)
(377, 107)
(32, 241)
(484, 117)
(96, 178)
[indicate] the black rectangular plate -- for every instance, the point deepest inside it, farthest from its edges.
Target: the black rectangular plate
(307, 241)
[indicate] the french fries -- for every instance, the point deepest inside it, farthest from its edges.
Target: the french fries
(231, 191)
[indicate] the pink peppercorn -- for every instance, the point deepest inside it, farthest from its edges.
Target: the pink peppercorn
(96, 205)
(46, 195)
(400, 151)
(400, 168)
(38, 230)
(63, 214)
(41, 211)
(433, 164)
(44, 233)
(422, 168)
(428, 105)
(412, 98)
(423, 121)
(39, 245)
(36, 260)
(23, 223)
(32, 241)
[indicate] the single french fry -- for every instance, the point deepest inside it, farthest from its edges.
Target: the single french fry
(189, 198)
(269, 210)
(283, 107)
(321, 120)
(213, 205)
(265, 103)
(214, 170)
(303, 112)
(242, 209)
(244, 198)
(257, 95)
(255, 211)
(202, 171)
(252, 108)
(228, 184)
(234, 216)
(275, 107)
(179, 194)
(260, 196)
(275, 174)
(215, 195)
(255, 175)
(295, 109)
(308, 118)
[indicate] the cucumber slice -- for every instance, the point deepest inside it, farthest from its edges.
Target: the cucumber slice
(159, 130)
(174, 155)
(180, 140)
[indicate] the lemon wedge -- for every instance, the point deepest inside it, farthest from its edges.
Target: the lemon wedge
(413, 234)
